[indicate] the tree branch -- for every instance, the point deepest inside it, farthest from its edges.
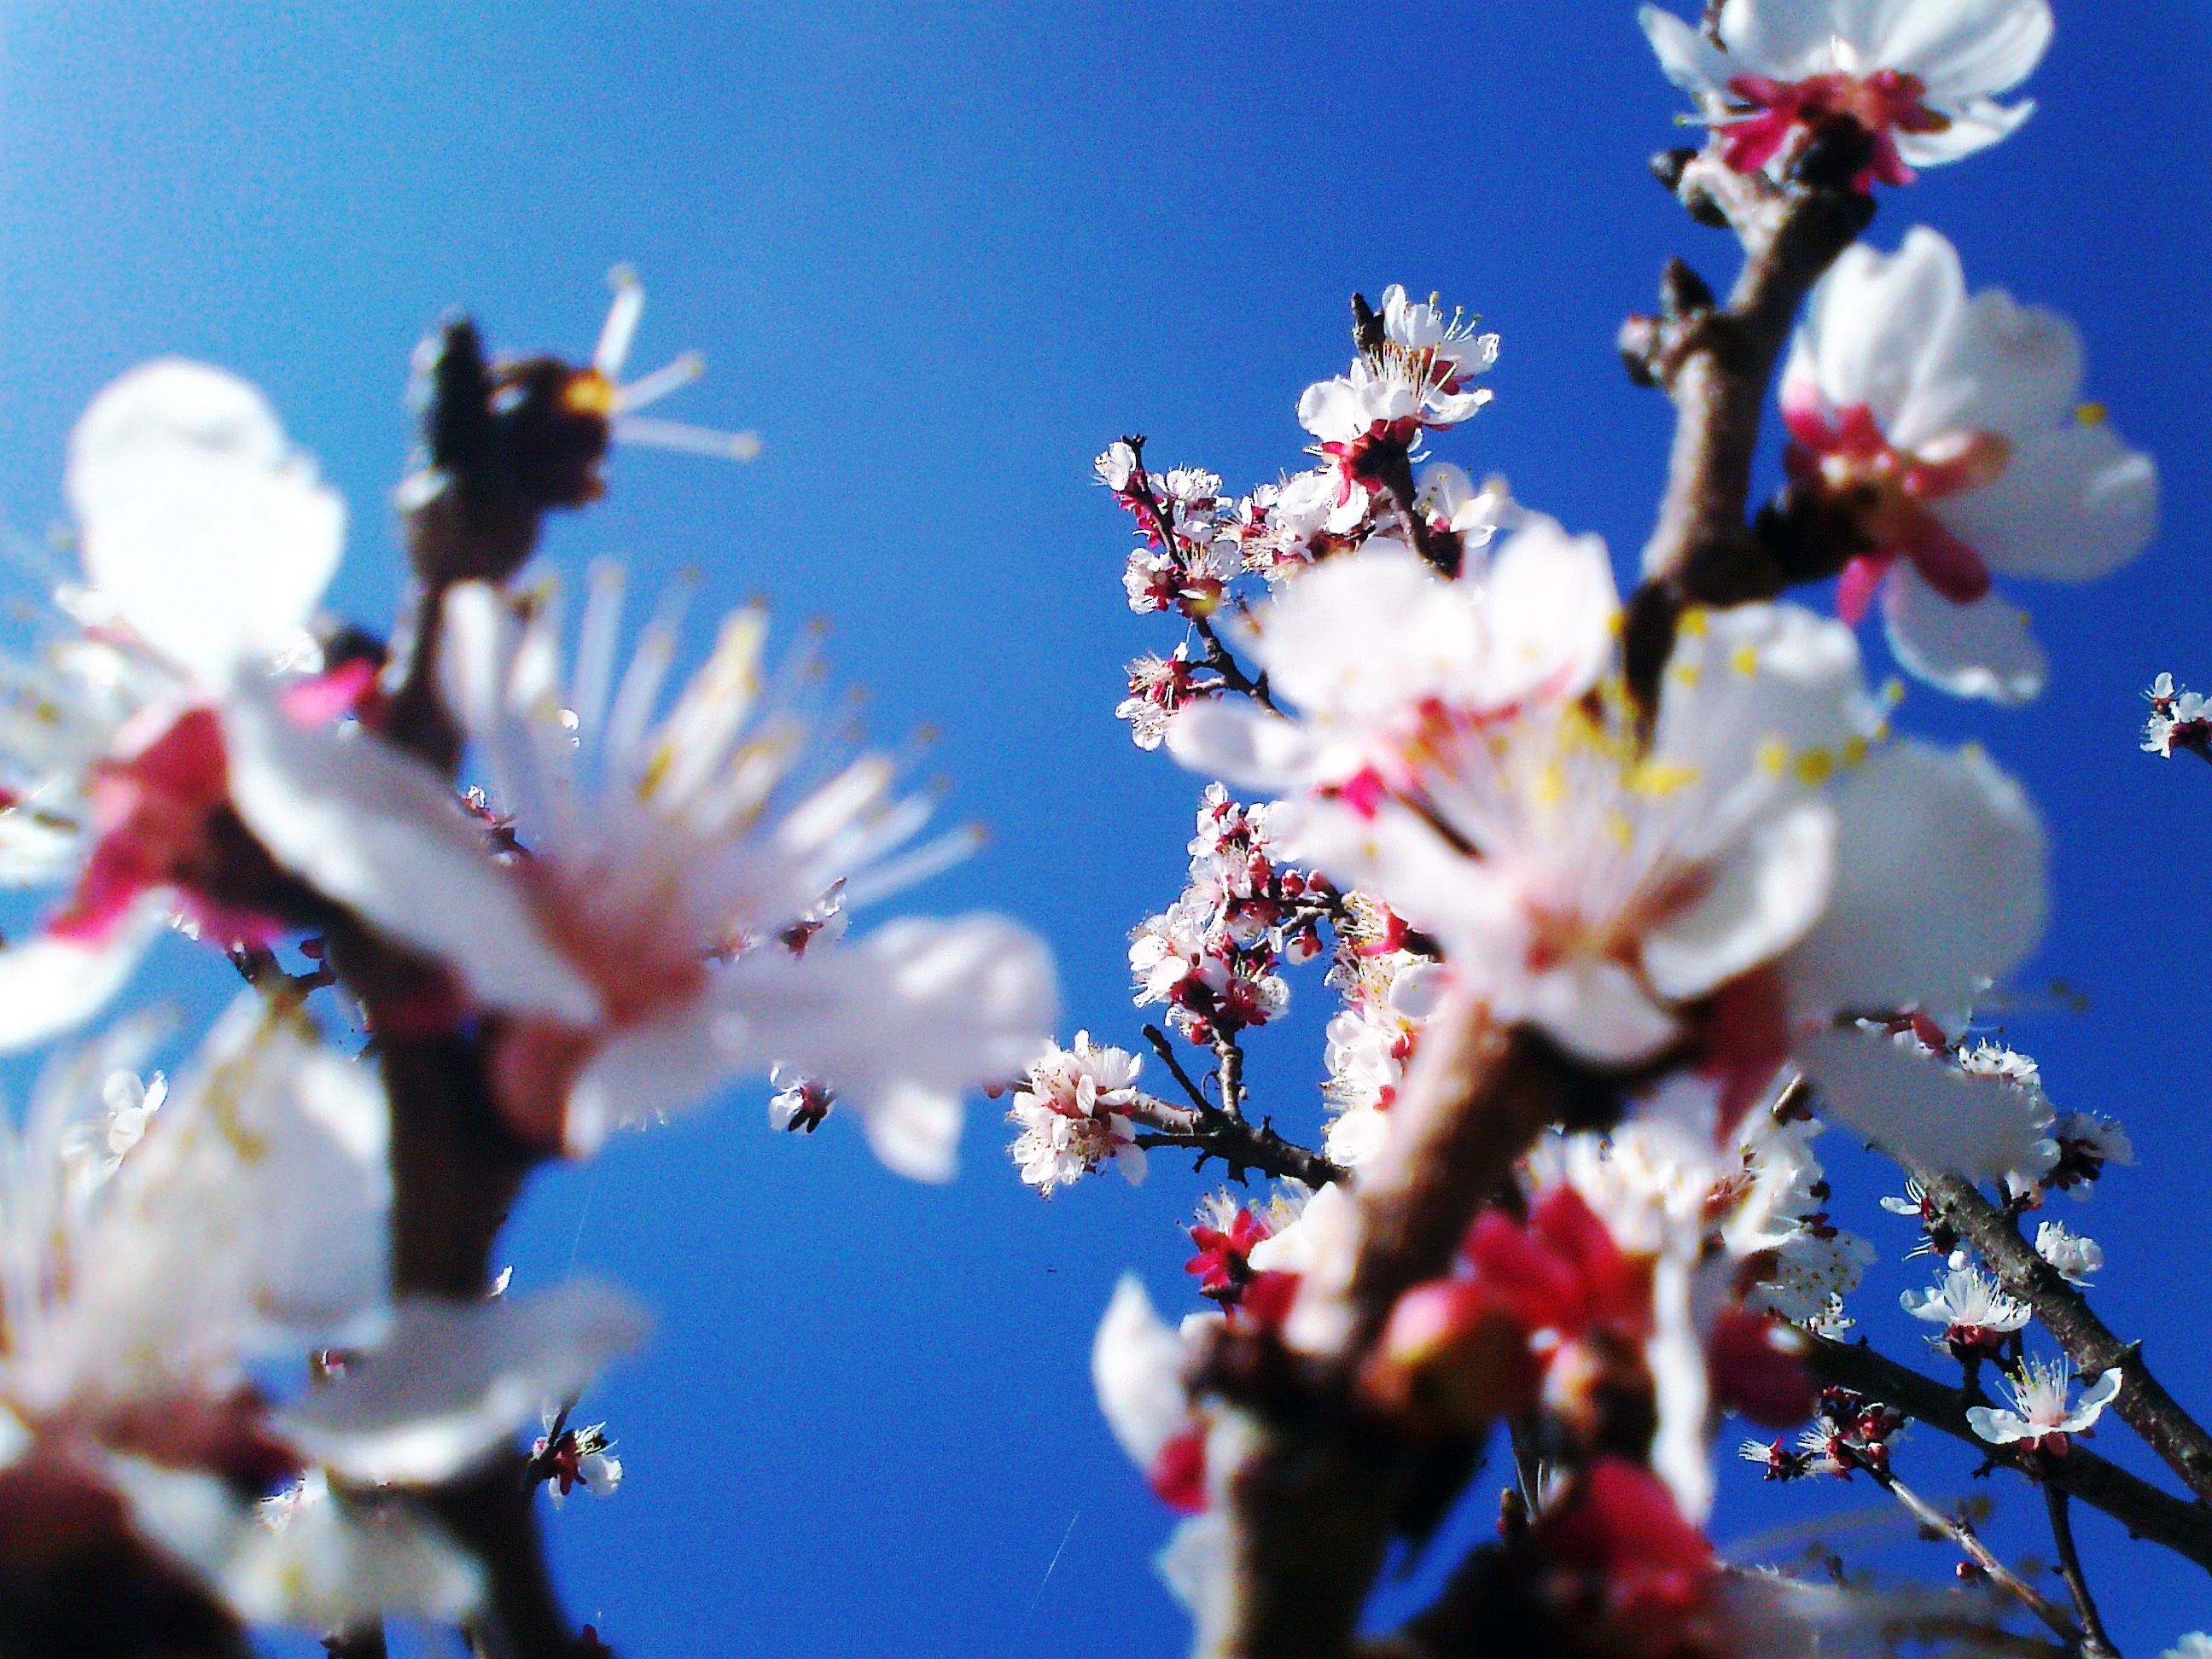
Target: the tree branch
(1955, 1529)
(2144, 1406)
(2147, 1512)
(2095, 1644)
(1716, 362)
(1237, 1141)
(1316, 1495)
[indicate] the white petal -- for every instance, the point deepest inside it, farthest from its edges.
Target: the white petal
(1976, 123)
(1136, 1365)
(48, 985)
(2099, 1395)
(379, 833)
(2071, 504)
(1985, 649)
(1551, 611)
(1788, 39)
(1361, 637)
(1964, 48)
(1941, 882)
(211, 535)
(1876, 322)
(1688, 59)
(1997, 1426)
(899, 1024)
(648, 1070)
(1596, 1011)
(1765, 897)
(1914, 1105)
(1676, 1359)
(1229, 738)
(325, 1565)
(2006, 367)
(456, 1379)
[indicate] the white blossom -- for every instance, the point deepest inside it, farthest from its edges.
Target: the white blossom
(1967, 1299)
(2041, 1415)
(680, 865)
(1921, 79)
(1952, 428)
(2076, 1258)
(1073, 1109)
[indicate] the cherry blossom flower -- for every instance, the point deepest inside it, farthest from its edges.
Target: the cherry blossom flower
(1224, 1237)
(680, 868)
(1413, 377)
(1950, 429)
(247, 1222)
(2085, 1143)
(2040, 1418)
(565, 1458)
(2178, 719)
(1136, 1365)
(1072, 1108)
(2075, 1258)
(1920, 80)
(1976, 1315)
(174, 769)
(1158, 686)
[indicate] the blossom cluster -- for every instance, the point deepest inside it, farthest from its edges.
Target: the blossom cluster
(1664, 853)
(553, 897)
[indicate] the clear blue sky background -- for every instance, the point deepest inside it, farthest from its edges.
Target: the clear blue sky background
(939, 255)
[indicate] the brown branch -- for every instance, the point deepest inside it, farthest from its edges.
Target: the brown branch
(1955, 1529)
(2147, 1512)
(2144, 1406)
(1315, 1497)
(1237, 1141)
(2095, 1644)
(1716, 362)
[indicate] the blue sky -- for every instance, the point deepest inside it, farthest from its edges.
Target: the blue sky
(939, 257)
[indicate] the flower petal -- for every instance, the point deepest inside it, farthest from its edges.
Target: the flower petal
(48, 985)
(1941, 882)
(1917, 1106)
(1136, 1365)
(1764, 896)
(1986, 648)
(211, 534)
(1231, 739)
(455, 1379)
(379, 833)
(2073, 504)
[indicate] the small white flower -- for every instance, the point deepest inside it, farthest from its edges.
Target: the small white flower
(1072, 1109)
(2195, 1645)
(1920, 79)
(1968, 1303)
(1952, 428)
(2075, 1257)
(2041, 1417)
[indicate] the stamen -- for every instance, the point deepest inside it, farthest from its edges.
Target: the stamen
(931, 859)
(652, 388)
(621, 326)
(687, 439)
(595, 647)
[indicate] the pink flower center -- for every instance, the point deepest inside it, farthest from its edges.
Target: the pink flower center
(1886, 103)
(155, 814)
(1892, 493)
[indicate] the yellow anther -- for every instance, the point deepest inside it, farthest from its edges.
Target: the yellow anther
(1619, 827)
(2092, 413)
(1815, 767)
(1855, 751)
(1692, 625)
(1773, 757)
(1744, 659)
(1659, 778)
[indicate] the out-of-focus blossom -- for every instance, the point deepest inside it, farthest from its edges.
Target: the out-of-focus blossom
(1949, 429)
(174, 766)
(1920, 80)
(680, 864)
(1136, 1365)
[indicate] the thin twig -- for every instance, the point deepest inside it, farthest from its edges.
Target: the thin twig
(1229, 1059)
(1237, 1141)
(2095, 1644)
(2147, 1512)
(2143, 1405)
(1165, 1050)
(1955, 1529)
